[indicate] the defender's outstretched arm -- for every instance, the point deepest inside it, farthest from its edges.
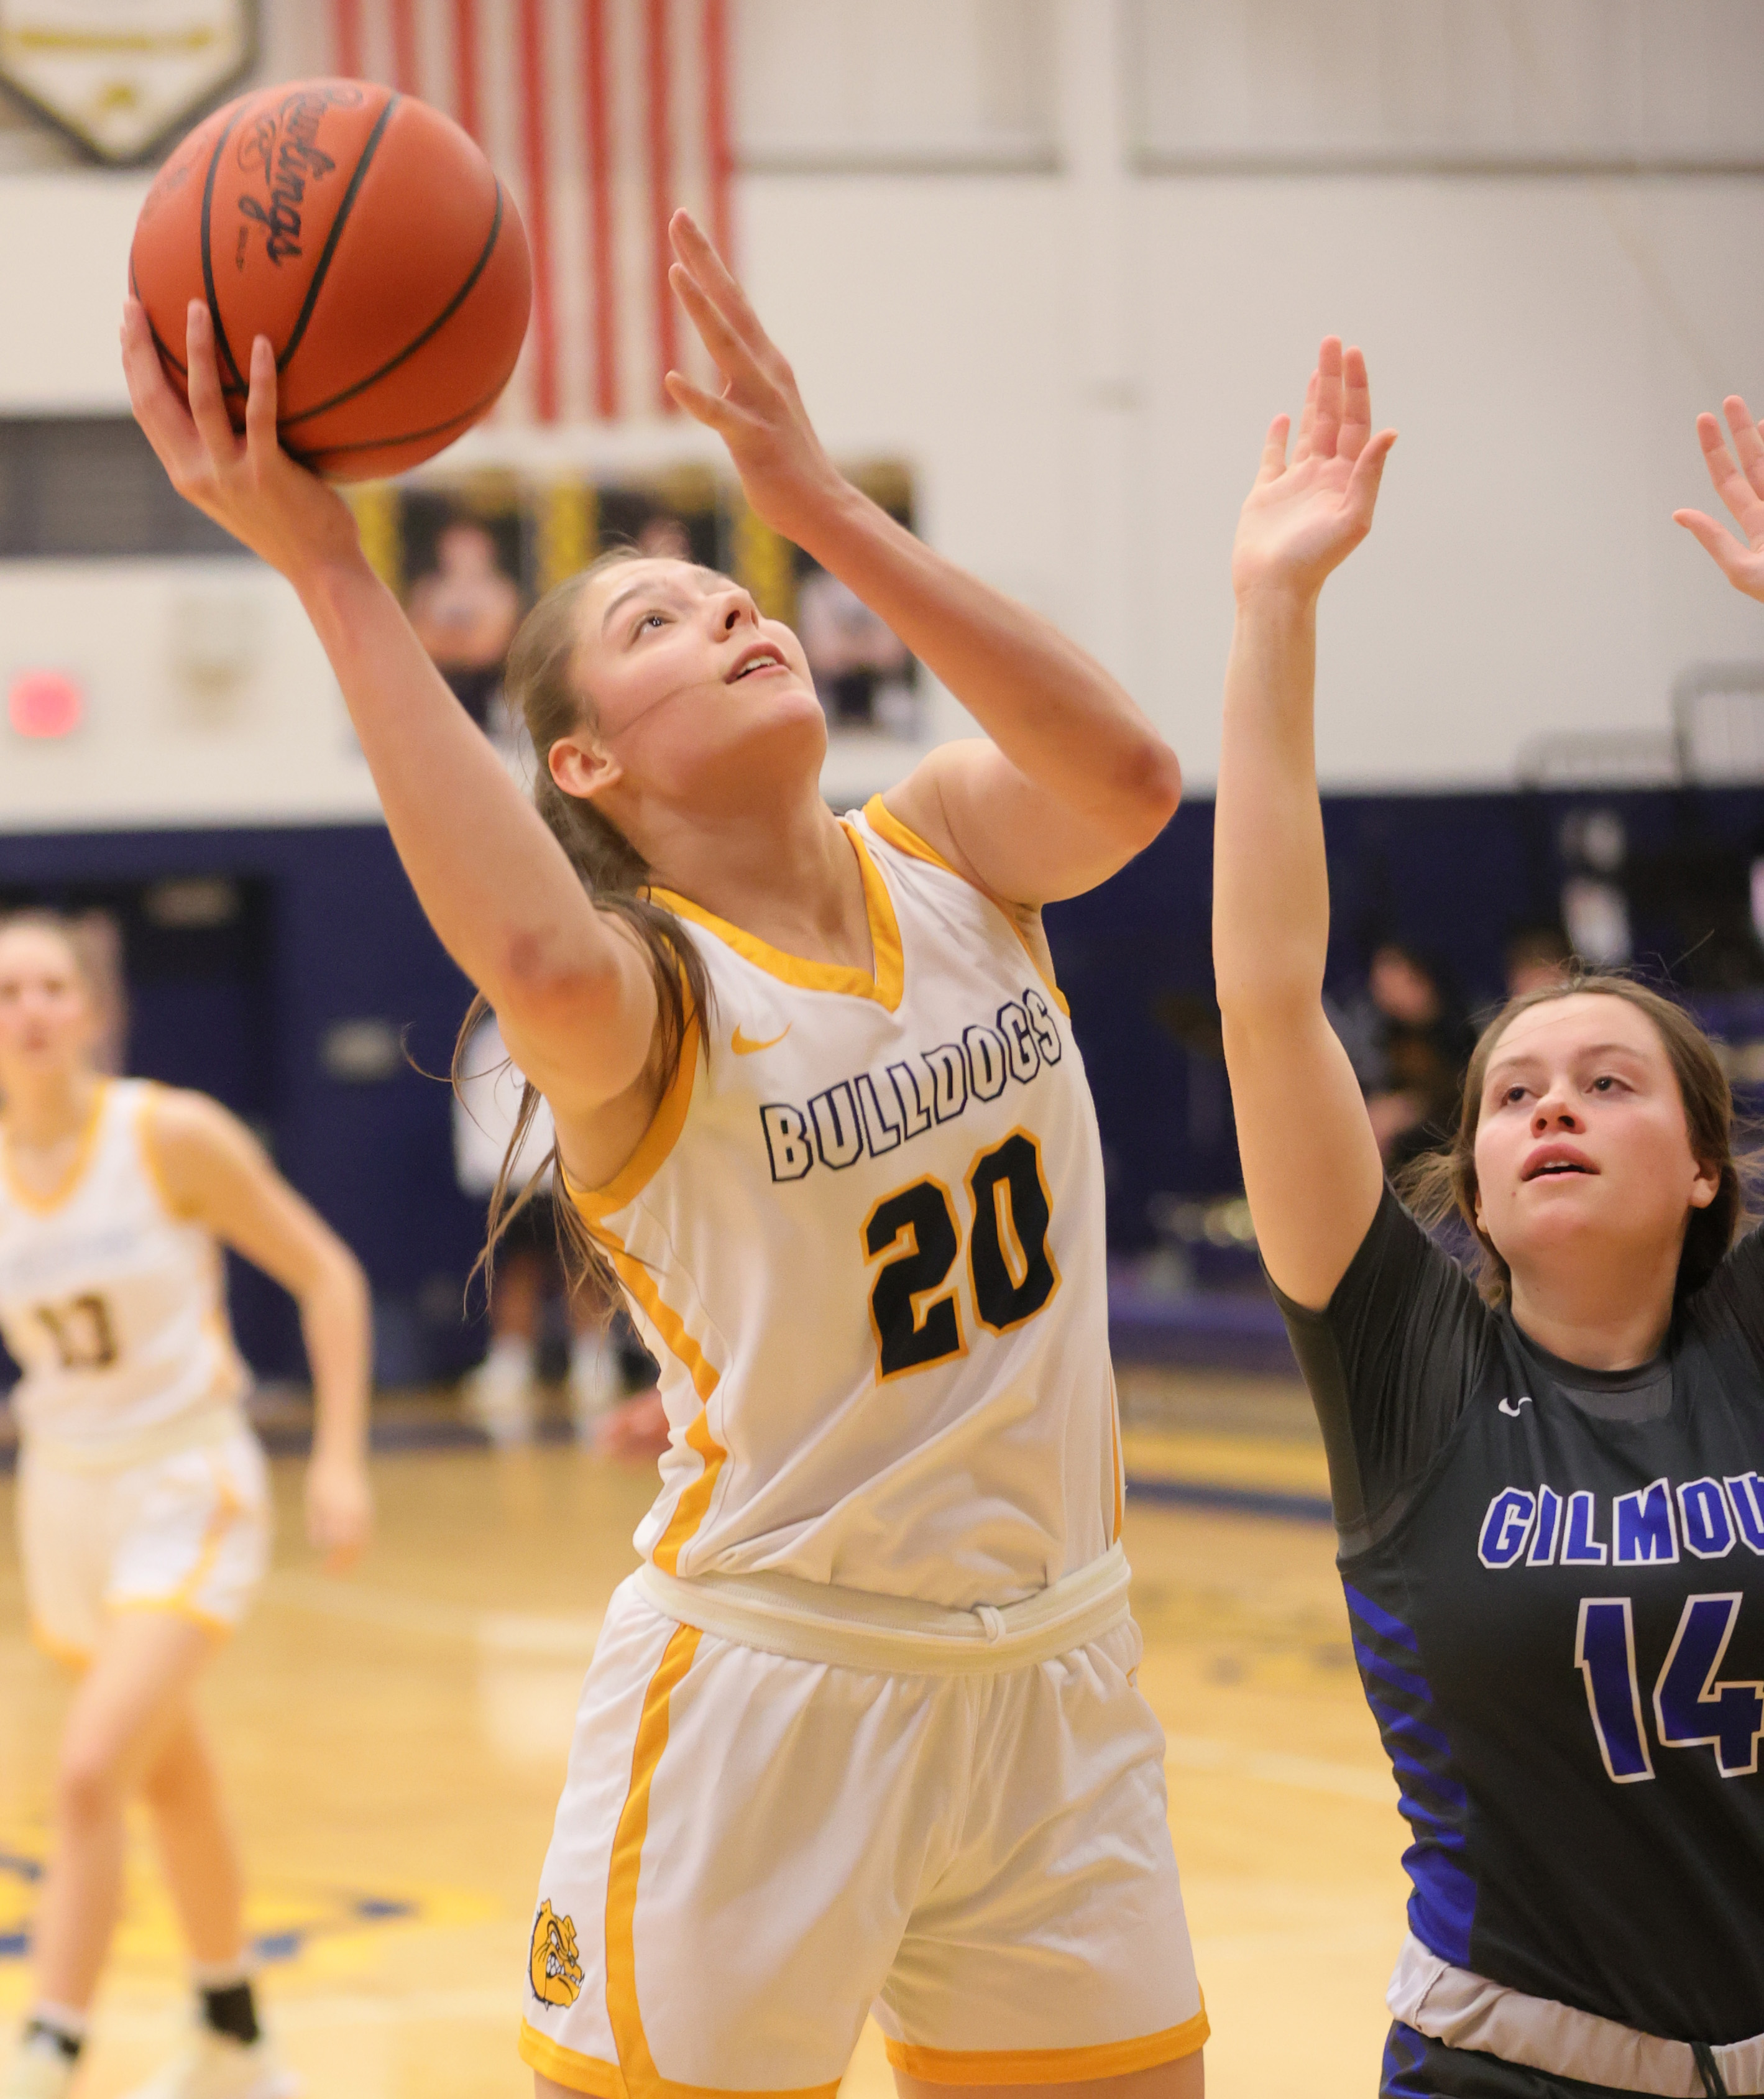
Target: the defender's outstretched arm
(1311, 1164)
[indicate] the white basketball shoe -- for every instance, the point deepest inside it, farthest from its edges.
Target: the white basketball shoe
(498, 1395)
(216, 2066)
(38, 2072)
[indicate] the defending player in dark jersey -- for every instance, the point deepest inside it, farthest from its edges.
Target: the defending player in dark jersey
(1548, 1491)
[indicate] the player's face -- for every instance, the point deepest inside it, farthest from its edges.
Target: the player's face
(1582, 1145)
(45, 1011)
(696, 694)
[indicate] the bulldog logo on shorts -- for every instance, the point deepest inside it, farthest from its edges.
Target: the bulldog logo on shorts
(556, 1970)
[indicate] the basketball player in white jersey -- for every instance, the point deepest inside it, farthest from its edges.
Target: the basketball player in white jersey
(863, 1727)
(143, 1514)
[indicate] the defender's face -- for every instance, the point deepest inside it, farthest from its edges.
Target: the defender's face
(1582, 1145)
(46, 1021)
(691, 684)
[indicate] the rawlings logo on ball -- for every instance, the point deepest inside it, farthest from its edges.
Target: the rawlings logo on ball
(284, 142)
(557, 1971)
(387, 347)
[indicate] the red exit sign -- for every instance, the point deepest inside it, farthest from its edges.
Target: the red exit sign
(42, 704)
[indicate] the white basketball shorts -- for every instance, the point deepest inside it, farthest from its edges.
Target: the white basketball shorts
(188, 1532)
(752, 1849)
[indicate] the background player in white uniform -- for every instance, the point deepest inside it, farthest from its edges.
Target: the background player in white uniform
(864, 1725)
(142, 1508)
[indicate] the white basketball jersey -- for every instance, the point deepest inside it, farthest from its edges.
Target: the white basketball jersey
(864, 1239)
(114, 1308)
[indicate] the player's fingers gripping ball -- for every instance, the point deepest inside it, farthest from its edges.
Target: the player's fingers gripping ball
(368, 238)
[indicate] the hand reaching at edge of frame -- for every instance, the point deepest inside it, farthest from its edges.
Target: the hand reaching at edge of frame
(1736, 473)
(785, 475)
(1305, 515)
(340, 1509)
(268, 502)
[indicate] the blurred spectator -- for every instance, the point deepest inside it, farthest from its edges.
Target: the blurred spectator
(1536, 958)
(606, 1359)
(465, 610)
(860, 666)
(1409, 1042)
(664, 538)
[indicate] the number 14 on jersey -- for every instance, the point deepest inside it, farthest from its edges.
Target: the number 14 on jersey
(1692, 1709)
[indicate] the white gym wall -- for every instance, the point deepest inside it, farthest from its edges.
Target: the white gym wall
(1066, 257)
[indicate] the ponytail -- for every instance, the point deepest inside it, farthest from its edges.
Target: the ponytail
(540, 677)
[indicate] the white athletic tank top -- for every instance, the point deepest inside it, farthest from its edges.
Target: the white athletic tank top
(113, 1308)
(864, 1241)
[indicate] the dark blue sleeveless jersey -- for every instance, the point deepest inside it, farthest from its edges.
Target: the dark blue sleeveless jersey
(1558, 1618)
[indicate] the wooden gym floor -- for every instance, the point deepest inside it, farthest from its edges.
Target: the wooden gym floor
(395, 1745)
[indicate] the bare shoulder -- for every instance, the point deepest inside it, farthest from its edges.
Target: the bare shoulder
(921, 802)
(190, 1138)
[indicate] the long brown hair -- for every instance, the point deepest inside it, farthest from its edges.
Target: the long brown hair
(541, 678)
(1444, 1181)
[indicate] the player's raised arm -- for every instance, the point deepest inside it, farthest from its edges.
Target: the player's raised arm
(1074, 780)
(1736, 472)
(1310, 1162)
(576, 997)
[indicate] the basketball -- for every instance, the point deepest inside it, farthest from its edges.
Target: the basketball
(368, 238)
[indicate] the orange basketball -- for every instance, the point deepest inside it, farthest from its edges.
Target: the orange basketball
(368, 238)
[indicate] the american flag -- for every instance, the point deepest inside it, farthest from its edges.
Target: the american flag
(602, 117)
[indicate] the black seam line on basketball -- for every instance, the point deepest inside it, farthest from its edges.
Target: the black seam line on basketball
(335, 234)
(224, 346)
(410, 348)
(404, 437)
(159, 342)
(135, 294)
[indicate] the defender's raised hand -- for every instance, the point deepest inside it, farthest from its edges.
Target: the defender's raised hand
(248, 484)
(758, 414)
(1306, 515)
(1737, 476)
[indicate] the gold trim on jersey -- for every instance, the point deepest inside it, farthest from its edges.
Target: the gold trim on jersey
(144, 1106)
(63, 1651)
(694, 1504)
(654, 1147)
(625, 1865)
(1049, 2066)
(596, 1205)
(1117, 1471)
(634, 2075)
(43, 1206)
(885, 986)
(887, 825)
(568, 2066)
(182, 1602)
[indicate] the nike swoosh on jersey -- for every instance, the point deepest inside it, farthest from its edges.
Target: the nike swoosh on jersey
(1512, 1407)
(743, 1046)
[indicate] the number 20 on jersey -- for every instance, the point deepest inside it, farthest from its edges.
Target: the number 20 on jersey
(915, 1302)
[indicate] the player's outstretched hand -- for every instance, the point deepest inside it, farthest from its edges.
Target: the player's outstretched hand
(1737, 475)
(248, 484)
(340, 1510)
(1306, 514)
(758, 414)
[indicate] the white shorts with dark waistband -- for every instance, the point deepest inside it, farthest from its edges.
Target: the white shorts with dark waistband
(1462, 2009)
(787, 1806)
